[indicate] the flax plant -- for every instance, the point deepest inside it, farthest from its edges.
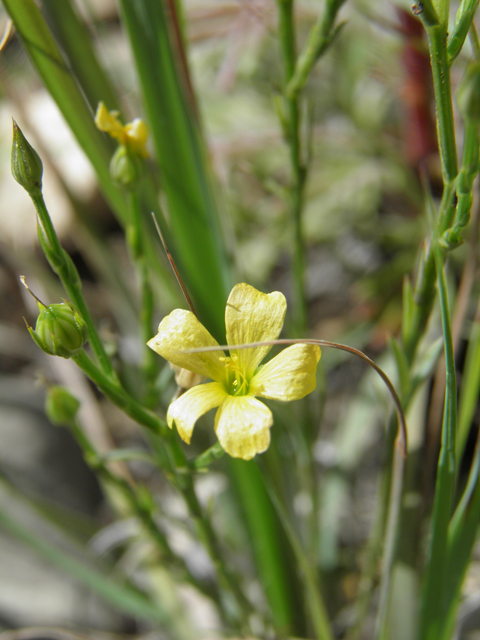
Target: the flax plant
(266, 446)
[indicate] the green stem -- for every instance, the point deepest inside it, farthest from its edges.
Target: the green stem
(319, 39)
(141, 504)
(172, 459)
(474, 41)
(464, 185)
(391, 531)
(315, 602)
(63, 266)
(437, 42)
(424, 291)
(114, 392)
(434, 583)
(286, 34)
(207, 457)
(463, 22)
(373, 552)
(136, 239)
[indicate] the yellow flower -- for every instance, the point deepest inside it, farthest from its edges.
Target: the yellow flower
(132, 135)
(242, 423)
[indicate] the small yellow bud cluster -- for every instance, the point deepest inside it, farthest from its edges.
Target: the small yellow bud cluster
(126, 166)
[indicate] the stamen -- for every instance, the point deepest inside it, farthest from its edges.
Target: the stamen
(239, 384)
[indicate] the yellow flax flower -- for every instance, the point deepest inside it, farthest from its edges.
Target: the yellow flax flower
(242, 423)
(132, 135)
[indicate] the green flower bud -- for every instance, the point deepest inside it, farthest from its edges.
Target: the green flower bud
(60, 330)
(26, 165)
(126, 167)
(468, 93)
(60, 406)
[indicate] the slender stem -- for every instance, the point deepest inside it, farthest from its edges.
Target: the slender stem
(63, 266)
(141, 504)
(394, 509)
(464, 184)
(424, 291)
(319, 39)
(378, 535)
(172, 459)
(463, 22)
(315, 601)
(207, 457)
(227, 580)
(423, 297)
(474, 41)
(287, 38)
(136, 239)
(442, 508)
(115, 392)
(437, 42)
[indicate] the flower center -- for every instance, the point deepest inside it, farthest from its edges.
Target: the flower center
(236, 377)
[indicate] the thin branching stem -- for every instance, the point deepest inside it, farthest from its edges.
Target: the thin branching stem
(172, 460)
(64, 267)
(291, 121)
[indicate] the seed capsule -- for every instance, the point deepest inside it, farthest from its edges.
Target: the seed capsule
(60, 330)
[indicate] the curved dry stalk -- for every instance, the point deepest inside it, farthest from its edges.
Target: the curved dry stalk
(401, 440)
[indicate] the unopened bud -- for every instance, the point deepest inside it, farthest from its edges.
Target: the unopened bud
(27, 168)
(126, 167)
(60, 330)
(60, 406)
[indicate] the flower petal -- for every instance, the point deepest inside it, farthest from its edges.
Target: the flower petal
(137, 134)
(252, 316)
(288, 376)
(180, 331)
(242, 425)
(186, 410)
(108, 121)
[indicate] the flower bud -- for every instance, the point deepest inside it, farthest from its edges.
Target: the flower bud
(60, 330)
(27, 168)
(468, 93)
(60, 406)
(126, 167)
(133, 135)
